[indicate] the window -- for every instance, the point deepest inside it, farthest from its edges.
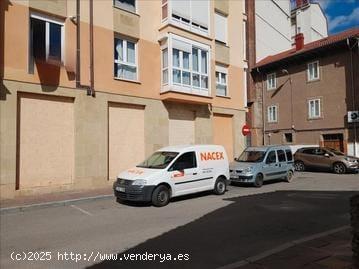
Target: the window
(313, 71)
(288, 137)
(271, 157)
(272, 114)
(164, 9)
(46, 39)
(221, 81)
(185, 66)
(129, 5)
(281, 156)
(185, 161)
(289, 155)
(192, 15)
(310, 151)
(125, 59)
(165, 66)
(220, 27)
(271, 81)
(314, 109)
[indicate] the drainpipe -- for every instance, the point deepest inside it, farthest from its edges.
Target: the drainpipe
(90, 89)
(353, 91)
(92, 74)
(263, 113)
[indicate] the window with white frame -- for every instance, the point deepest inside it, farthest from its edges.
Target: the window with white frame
(46, 40)
(314, 109)
(220, 27)
(271, 81)
(125, 59)
(221, 81)
(192, 15)
(313, 71)
(185, 65)
(272, 112)
(164, 9)
(129, 5)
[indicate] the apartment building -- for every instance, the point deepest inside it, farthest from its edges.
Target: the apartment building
(309, 93)
(89, 88)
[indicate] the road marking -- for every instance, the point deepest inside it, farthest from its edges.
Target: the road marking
(82, 210)
(280, 248)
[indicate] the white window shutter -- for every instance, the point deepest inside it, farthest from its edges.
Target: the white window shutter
(182, 8)
(181, 45)
(221, 27)
(200, 12)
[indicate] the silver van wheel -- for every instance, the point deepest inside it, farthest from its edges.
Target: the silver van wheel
(339, 168)
(289, 176)
(258, 182)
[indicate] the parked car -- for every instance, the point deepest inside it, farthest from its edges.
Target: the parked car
(175, 171)
(257, 164)
(324, 158)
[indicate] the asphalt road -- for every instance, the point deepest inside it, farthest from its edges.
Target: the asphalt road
(208, 231)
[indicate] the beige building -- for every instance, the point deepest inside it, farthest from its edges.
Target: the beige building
(89, 88)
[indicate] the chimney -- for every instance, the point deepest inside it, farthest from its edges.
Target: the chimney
(298, 3)
(299, 41)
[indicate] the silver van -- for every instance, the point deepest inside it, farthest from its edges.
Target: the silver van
(257, 164)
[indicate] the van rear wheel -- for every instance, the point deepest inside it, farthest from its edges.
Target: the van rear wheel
(161, 196)
(220, 186)
(289, 176)
(258, 182)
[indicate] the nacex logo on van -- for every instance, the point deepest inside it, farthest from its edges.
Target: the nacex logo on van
(211, 156)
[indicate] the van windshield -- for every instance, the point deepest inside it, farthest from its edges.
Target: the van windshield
(159, 160)
(251, 156)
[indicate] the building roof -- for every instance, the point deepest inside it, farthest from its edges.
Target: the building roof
(309, 47)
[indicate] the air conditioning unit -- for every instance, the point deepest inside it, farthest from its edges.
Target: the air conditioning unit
(353, 116)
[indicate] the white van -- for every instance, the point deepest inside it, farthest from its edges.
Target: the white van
(174, 171)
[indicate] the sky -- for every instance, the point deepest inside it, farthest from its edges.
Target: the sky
(341, 14)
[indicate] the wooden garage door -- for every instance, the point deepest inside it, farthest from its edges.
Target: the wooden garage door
(181, 127)
(223, 132)
(45, 141)
(126, 137)
(334, 141)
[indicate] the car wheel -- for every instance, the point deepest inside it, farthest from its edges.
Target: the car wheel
(258, 182)
(289, 176)
(161, 196)
(299, 166)
(339, 168)
(220, 186)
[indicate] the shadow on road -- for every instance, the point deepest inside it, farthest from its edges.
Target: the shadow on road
(246, 227)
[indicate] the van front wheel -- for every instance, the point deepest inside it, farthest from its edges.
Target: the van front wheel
(258, 182)
(161, 196)
(220, 186)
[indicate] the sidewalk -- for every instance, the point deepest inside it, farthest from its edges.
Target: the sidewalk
(54, 198)
(328, 252)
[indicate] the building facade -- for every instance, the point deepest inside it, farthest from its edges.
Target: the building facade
(306, 93)
(89, 88)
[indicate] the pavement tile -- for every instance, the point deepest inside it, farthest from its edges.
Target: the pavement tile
(253, 266)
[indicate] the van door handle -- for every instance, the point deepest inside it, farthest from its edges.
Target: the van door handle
(195, 173)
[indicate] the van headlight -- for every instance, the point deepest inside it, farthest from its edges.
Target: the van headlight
(248, 170)
(139, 182)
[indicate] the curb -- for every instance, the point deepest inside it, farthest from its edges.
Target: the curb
(281, 248)
(23, 208)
